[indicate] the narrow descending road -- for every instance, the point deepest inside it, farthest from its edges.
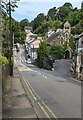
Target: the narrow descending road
(62, 67)
(54, 89)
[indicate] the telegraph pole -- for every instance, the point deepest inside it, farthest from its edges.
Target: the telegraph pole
(11, 43)
(11, 40)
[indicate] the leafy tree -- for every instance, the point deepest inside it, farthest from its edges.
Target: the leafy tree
(57, 17)
(78, 28)
(81, 9)
(57, 51)
(38, 21)
(5, 36)
(69, 5)
(42, 52)
(57, 24)
(51, 13)
(24, 23)
(63, 11)
(72, 43)
(74, 18)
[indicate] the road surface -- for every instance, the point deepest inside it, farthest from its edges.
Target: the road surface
(56, 94)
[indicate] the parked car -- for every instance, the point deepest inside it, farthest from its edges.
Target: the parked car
(28, 61)
(51, 60)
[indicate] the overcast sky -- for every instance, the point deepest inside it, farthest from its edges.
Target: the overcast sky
(31, 8)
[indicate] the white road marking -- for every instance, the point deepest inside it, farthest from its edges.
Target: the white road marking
(44, 76)
(35, 71)
(39, 73)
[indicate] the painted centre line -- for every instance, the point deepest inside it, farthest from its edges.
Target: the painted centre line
(40, 73)
(44, 76)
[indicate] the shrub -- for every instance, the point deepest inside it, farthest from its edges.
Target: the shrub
(4, 60)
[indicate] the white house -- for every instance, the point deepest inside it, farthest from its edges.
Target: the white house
(32, 44)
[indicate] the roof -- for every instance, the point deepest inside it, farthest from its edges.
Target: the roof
(35, 44)
(53, 36)
(28, 27)
(79, 36)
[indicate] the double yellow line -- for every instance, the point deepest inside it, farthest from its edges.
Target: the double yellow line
(42, 105)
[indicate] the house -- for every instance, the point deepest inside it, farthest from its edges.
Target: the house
(31, 44)
(61, 37)
(79, 56)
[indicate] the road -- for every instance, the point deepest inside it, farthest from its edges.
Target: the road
(56, 94)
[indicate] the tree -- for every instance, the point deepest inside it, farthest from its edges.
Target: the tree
(56, 51)
(64, 10)
(38, 21)
(51, 13)
(69, 5)
(72, 43)
(73, 18)
(42, 52)
(5, 27)
(24, 23)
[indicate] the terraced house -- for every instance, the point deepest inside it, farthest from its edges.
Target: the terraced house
(79, 56)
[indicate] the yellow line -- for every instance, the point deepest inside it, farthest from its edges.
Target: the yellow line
(33, 90)
(50, 110)
(43, 110)
(30, 91)
(28, 84)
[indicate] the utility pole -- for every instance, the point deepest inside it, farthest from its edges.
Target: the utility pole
(11, 40)
(11, 43)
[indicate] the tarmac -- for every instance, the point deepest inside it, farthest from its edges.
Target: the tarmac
(20, 106)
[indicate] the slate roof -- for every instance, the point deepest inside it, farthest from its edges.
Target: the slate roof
(28, 27)
(53, 36)
(78, 36)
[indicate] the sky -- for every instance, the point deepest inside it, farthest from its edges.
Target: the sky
(29, 9)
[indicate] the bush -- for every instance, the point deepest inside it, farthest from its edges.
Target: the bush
(42, 52)
(4, 60)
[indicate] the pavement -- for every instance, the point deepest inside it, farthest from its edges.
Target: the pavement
(20, 105)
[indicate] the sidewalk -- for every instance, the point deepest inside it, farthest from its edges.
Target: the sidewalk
(18, 106)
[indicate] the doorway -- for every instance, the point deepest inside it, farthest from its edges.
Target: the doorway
(67, 54)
